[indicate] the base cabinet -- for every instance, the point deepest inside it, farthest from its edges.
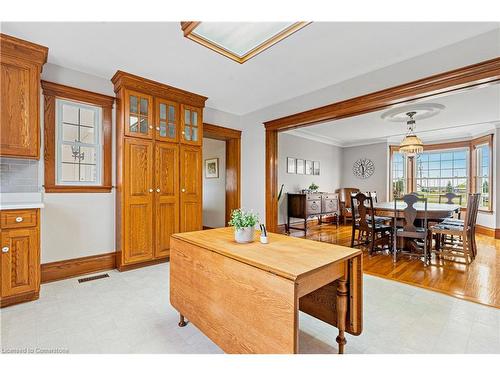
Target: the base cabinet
(159, 168)
(20, 256)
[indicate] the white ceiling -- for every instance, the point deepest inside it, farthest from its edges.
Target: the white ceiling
(321, 54)
(466, 114)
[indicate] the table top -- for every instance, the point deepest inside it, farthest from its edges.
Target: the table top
(285, 256)
(419, 206)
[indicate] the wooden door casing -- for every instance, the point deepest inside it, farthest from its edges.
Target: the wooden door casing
(138, 217)
(191, 188)
(166, 196)
(20, 265)
(19, 135)
(127, 109)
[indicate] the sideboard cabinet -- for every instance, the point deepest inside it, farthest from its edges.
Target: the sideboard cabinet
(159, 167)
(307, 205)
(21, 63)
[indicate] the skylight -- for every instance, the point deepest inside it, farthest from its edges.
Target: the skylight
(239, 41)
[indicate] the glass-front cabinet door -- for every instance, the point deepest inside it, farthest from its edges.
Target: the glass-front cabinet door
(138, 114)
(191, 125)
(167, 121)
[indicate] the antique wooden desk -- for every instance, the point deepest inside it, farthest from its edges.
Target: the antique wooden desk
(246, 297)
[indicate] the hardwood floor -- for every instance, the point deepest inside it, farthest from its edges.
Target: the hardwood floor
(481, 283)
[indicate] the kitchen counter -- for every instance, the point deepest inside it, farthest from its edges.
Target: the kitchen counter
(20, 201)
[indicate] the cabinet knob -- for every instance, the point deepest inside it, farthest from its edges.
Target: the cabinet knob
(158, 190)
(19, 219)
(183, 133)
(158, 128)
(150, 190)
(5, 249)
(151, 126)
(183, 190)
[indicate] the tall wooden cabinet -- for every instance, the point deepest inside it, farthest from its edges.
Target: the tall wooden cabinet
(20, 67)
(159, 167)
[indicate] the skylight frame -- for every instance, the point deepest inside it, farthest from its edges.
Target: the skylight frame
(189, 26)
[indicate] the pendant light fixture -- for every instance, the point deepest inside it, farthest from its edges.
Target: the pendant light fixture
(411, 144)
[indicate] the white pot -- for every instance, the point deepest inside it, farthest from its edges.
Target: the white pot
(244, 235)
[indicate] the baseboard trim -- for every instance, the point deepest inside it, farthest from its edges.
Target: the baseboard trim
(133, 266)
(19, 298)
(487, 231)
(206, 228)
(497, 233)
(65, 269)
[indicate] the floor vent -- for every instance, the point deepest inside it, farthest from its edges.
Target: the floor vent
(92, 278)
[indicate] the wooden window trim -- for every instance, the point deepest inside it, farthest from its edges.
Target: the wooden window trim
(53, 91)
(470, 145)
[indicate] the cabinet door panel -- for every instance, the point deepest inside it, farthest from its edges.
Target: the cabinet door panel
(138, 114)
(19, 129)
(167, 196)
(20, 264)
(191, 125)
(167, 120)
(191, 188)
(138, 213)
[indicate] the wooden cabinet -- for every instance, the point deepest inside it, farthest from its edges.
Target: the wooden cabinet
(20, 67)
(191, 188)
(191, 125)
(305, 206)
(159, 170)
(20, 256)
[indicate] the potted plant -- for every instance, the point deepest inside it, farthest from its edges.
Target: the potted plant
(313, 187)
(244, 225)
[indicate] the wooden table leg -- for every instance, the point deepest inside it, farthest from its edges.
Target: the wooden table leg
(182, 322)
(341, 311)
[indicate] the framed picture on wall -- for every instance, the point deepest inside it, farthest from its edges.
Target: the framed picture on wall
(316, 168)
(212, 168)
(301, 166)
(291, 165)
(309, 167)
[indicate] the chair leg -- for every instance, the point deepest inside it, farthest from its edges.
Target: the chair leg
(394, 248)
(352, 235)
(372, 242)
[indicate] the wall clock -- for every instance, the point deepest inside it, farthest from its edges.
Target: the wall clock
(363, 168)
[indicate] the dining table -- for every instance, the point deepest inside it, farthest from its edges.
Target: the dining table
(435, 211)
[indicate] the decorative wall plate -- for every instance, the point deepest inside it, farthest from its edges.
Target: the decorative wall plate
(363, 168)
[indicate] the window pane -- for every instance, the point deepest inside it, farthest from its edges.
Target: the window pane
(69, 114)
(459, 163)
(171, 131)
(195, 118)
(163, 111)
(87, 135)
(187, 133)
(134, 122)
(194, 134)
(144, 125)
(133, 104)
(171, 113)
(187, 116)
(447, 156)
(144, 106)
(70, 133)
(88, 173)
(70, 172)
(87, 117)
(163, 129)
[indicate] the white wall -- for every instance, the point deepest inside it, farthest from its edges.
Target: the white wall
(379, 154)
(214, 189)
(77, 224)
(330, 158)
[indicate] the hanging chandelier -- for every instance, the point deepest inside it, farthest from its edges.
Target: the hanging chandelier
(411, 144)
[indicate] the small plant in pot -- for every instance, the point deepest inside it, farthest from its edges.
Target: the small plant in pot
(244, 225)
(313, 187)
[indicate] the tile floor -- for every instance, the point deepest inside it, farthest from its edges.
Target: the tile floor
(129, 313)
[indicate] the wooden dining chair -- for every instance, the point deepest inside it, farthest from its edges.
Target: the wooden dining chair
(451, 198)
(407, 231)
(345, 202)
(369, 232)
(465, 247)
(379, 219)
(472, 203)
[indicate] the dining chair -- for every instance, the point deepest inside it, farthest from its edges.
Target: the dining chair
(451, 198)
(459, 222)
(379, 219)
(465, 247)
(408, 232)
(345, 202)
(369, 231)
